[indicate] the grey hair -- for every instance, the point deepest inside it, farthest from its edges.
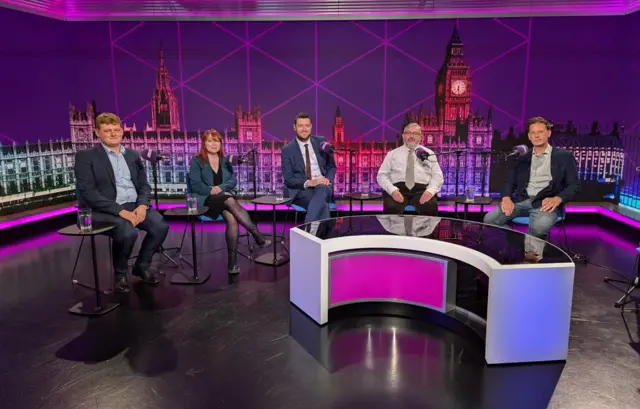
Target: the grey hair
(411, 125)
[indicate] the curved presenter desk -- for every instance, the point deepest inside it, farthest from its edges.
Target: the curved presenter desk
(512, 289)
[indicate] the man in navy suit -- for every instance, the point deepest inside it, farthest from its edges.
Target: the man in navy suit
(538, 184)
(111, 181)
(308, 171)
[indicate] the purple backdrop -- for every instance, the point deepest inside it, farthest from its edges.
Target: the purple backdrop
(580, 69)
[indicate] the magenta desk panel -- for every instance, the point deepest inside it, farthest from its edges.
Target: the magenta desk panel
(391, 276)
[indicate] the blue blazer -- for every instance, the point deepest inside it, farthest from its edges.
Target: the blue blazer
(201, 178)
(293, 169)
(96, 181)
(564, 178)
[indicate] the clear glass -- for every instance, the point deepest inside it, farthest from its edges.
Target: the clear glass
(84, 219)
(192, 203)
(279, 196)
(470, 193)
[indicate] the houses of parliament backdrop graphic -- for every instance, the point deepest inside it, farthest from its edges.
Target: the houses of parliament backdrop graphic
(172, 81)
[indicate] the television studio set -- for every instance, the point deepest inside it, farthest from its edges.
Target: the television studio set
(320, 204)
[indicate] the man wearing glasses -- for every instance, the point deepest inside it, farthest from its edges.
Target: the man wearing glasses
(538, 184)
(410, 175)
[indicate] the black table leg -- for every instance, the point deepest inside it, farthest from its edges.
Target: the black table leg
(181, 278)
(350, 207)
(94, 306)
(274, 259)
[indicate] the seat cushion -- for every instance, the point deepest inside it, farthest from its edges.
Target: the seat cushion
(209, 219)
(524, 220)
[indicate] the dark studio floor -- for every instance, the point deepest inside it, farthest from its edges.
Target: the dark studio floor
(228, 344)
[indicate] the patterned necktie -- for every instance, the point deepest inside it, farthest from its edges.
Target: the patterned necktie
(409, 179)
(308, 160)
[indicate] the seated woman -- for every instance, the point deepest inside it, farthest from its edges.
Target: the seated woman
(212, 180)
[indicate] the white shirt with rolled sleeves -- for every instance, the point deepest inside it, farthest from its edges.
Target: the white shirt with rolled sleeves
(394, 168)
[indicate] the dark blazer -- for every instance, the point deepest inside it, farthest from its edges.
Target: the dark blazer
(201, 178)
(96, 181)
(564, 178)
(293, 168)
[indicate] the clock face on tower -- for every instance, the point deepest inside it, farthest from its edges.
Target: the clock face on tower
(458, 87)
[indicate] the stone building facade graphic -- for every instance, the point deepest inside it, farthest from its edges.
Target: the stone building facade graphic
(42, 173)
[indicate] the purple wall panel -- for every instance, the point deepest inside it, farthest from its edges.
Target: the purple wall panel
(569, 70)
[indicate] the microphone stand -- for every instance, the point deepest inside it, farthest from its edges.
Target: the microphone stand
(458, 153)
(161, 249)
(485, 155)
(255, 206)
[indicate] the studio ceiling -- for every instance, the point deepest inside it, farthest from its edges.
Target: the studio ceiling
(87, 10)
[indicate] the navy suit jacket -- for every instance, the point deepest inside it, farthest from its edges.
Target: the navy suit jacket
(201, 178)
(294, 171)
(96, 181)
(564, 178)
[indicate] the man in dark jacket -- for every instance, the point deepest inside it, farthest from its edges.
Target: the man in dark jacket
(111, 181)
(538, 184)
(308, 171)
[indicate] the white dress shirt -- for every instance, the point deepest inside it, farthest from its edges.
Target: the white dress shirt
(315, 168)
(394, 168)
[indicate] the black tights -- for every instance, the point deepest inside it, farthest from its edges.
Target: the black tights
(234, 214)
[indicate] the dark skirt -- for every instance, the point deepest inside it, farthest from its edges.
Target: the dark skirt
(215, 203)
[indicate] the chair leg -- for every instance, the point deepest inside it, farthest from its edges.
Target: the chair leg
(564, 234)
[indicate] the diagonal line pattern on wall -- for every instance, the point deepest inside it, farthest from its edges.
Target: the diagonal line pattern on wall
(526, 76)
(247, 44)
(141, 61)
(285, 102)
(206, 98)
(499, 56)
(513, 30)
(126, 33)
(184, 120)
(113, 70)
(496, 107)
(216, 62)
(7, 138)
(248, 62)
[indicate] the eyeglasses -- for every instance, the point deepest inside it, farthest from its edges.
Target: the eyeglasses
(413, 133)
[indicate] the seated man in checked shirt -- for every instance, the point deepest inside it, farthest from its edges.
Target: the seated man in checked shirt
(407, 179)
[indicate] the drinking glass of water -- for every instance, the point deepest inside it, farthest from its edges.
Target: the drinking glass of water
(192, 203)
(279, 196)
(471, 193)
(84, 219)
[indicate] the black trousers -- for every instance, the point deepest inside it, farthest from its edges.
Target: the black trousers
(125, 235)
(411, 197)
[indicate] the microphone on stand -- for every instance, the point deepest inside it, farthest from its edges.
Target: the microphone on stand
(518, 151)
(326, 147)
(153, 156)
(422, 153)
(239, 159)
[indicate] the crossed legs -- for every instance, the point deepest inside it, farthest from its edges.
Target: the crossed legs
(316, 201)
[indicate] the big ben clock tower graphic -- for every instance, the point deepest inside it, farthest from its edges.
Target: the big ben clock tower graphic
(453, 87)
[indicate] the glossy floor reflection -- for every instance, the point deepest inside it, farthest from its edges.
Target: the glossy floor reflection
(231, 343)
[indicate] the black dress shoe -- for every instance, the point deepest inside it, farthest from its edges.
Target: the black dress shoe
(146, 277)
(122, 284)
